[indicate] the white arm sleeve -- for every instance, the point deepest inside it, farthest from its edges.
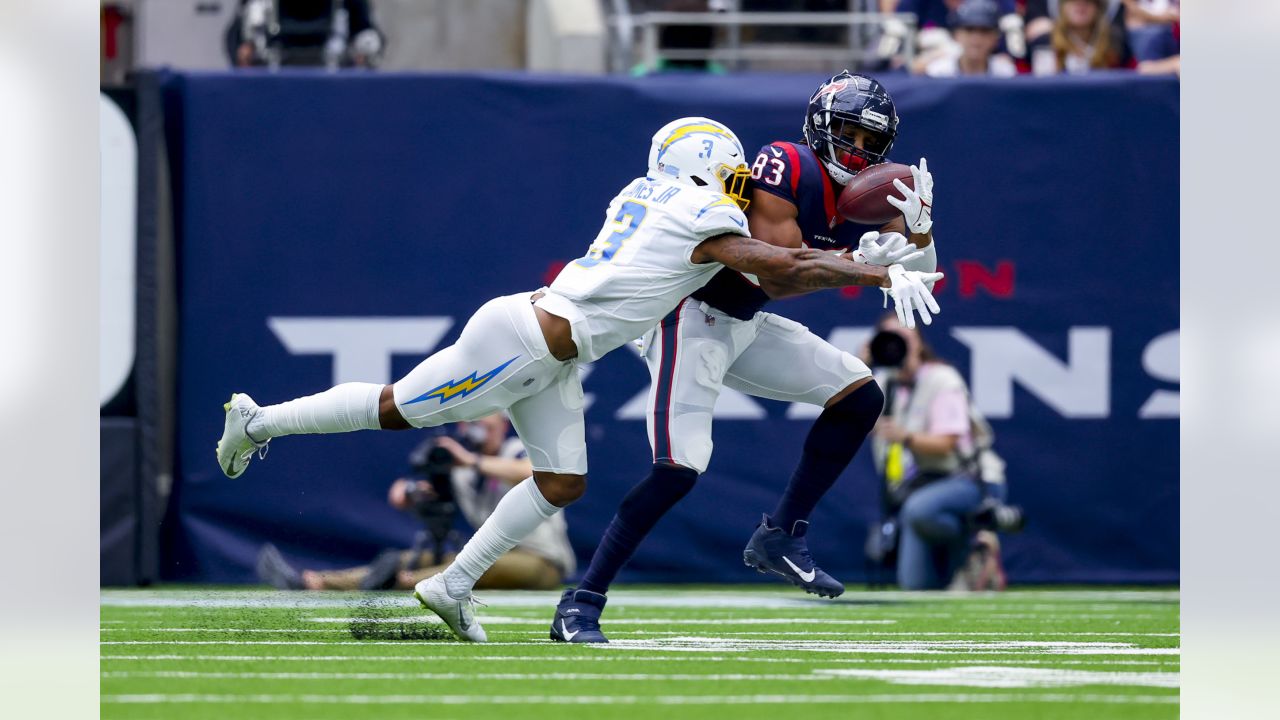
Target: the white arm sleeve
(927, 262)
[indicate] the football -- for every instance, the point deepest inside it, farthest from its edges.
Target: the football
(865, 199)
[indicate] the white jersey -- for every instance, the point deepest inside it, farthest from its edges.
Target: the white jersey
(639, 268)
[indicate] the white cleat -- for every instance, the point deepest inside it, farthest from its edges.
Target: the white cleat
(457, 613)
(236, 448)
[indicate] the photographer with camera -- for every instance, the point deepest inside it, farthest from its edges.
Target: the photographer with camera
(467, 471)
(942, 480)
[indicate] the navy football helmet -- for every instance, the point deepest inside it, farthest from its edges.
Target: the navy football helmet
(837, 108)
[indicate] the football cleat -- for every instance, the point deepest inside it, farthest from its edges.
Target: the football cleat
(458, 613)
(236, 448)
(577, 617)
(772, 550)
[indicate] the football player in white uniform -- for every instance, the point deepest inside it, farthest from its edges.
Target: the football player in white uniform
(664, 236)
(722, 336)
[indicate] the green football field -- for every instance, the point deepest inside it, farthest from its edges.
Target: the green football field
(680, 651)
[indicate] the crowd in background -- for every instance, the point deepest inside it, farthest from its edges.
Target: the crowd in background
(1042, 37)
(998, 38)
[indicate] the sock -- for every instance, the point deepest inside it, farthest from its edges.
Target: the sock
(347, 407)
(832, 442)
(648, 501)
(518, 513)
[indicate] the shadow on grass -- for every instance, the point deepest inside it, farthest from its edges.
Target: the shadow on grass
(377, 621)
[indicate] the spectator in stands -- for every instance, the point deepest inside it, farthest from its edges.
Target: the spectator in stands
(478, 479)
(975, 27)
(1151, 28)
(937, 13)
(934, 20)
(941, 477)
(1077, 36)
(329, 33)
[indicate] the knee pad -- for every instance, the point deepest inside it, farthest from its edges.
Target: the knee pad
(865, 402)
(676, 476)
(663, 487)
(560, 489)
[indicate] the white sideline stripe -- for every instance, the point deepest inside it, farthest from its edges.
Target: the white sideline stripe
(721, 645)
(612, 622)
(617, 598)
(923, 647)
(638, 699)
(1008, 677)
(178, 674)
(628, 658)
(767, 633)
(986, 676)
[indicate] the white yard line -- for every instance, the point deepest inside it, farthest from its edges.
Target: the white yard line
(763, 633)
(717, 644)
(618, 598)
(638, 699)
(621, 677)
(1008, 677)
(721, 644)
(500, 620)
(410, 659)
(986, 676)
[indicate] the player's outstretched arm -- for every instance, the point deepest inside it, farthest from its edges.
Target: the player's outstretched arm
(804, 268)
(773, 220)
(814, 269)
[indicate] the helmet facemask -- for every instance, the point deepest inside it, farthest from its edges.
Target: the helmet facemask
(734, 182)
(842, 150)
(839, 108)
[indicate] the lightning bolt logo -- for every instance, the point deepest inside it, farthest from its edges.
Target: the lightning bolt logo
(460, 388)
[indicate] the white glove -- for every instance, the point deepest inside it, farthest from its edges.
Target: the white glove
(895, 249)
(911, 295)
(916, 205)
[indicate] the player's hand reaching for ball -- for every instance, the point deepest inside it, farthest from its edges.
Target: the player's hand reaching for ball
(895, 249)
(910, 292)
(916, 205)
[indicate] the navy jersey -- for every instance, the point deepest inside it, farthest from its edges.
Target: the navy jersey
(792, 172)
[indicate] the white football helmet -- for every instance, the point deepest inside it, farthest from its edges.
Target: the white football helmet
(701, 152)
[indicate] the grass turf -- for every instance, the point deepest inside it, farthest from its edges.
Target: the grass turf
(680, 651)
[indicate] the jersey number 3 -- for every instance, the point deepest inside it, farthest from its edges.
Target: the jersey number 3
(629, 217)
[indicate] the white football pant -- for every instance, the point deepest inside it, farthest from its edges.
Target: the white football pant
(697, 350)
(501, 362)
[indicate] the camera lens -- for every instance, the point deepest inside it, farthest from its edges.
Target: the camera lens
(888, 349)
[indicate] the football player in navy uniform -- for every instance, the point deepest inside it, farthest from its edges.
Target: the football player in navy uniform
(720, 336)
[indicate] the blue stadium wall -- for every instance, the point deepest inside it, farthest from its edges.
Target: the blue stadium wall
(340, 227)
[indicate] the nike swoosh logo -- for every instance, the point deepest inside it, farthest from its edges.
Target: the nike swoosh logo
(776, 152)
(737, 221)
(805, 576)
(733, 154)
(568, 636)
(462, 618)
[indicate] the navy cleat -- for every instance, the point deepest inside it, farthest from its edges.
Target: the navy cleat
(772, 550)
(577, 617)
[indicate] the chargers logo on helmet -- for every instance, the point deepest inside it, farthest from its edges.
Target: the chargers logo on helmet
(701, 152)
